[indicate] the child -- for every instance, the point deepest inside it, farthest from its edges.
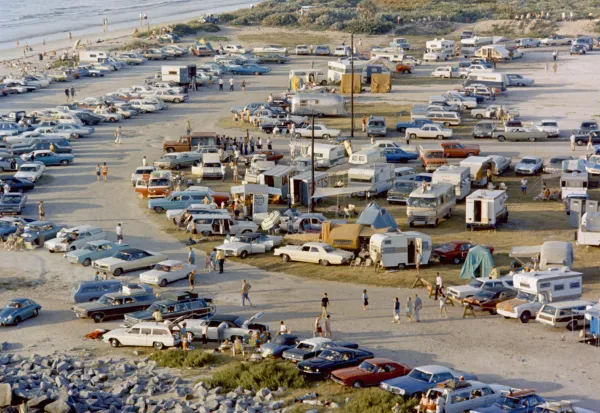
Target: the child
(408, 309)
(443, 311)
(365, 298)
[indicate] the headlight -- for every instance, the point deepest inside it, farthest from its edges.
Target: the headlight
(9, 317)
(317, 370)
(401, 391)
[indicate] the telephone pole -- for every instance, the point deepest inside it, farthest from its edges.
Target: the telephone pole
(312, 165)
(352, 84)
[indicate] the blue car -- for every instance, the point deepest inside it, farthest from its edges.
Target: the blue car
(397, 155)
(177, 200)
(278, 345)
(417, 123)
(94, 250)
(249, 69)
(523, 401)
(17, 310)
(48, 157)
(421, 379)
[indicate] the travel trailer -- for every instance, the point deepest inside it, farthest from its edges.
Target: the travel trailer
(494, 52)
(278, 177)
(496, 80)
(318, 104)
(569, 314)
(301, 186)
(396, 57)
(399, 249)
(458, 176)
(182, 75)
(310, 75)
(335, 70)
(486, 209)
(478, 167)
(439, 49)
(537, 288)
(93, 56)
(428, 204)
(469, 46)
(588, 232)
(327, 155)
(573, 183)
(365, 157)
(379, 177)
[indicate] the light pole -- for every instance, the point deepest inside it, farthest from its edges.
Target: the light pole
(312, 163)
(352, 84)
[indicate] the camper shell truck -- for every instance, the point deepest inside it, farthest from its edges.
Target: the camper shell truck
(428, 204)
(486, 209)
(588, 232)
(399, 249)
(458, 176)
(327, 156)
(478, 166)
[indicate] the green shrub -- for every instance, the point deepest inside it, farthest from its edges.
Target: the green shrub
(280, 19)
(270, 373)
(367, 26)
(191, 28)
(182, 359)
(375, 400)
(240, 21)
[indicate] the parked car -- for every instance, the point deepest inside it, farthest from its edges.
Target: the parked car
(181, 305)
(234, 48)
(432, 131)
(305, 349)
(70, 239)
(484, 129)
(177, 200)
(249, 69)
(94, 250)
(397, 155)
(12, 203)
(114, 305)
(9, 162)
(583, 138)
(455, 149)
(167, 95)
(370, 373)
(86, 291)
(178, 160)
(555, 164)
(486, 300)
(519, 134)
(333, 359)
(250, 243)
(235, 326)
(9, 225)
(75, 130)
(529, 165)
(556, 40)
(478, 284)
(277, 345)
(455, 251)
(38, 232)
(270, 155)
(30, 171)
(130, 259)
(421, 379)
(417, 123)
(320, 131)
(520, 401)
(18, 185)
(462, 395)
(404, 68)
(274, 58)
(17, 310)
(578, 49)
(146, 334)
(166, 272)
(322, 50)
(492, 111)
(302, 50)
(549, 127)
(88, 118)
(315, 252)
(48, 157)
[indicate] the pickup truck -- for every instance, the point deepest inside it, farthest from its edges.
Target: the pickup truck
(491, 112)
(519, 134)
(436, 131)
(431, 159)
(583, 138)
(187, 143)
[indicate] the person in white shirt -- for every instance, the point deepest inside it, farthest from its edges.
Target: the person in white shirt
(231, 84)
(269, 144)
(223, 171)
(119, 231)
(283, 328)
(572, 139)
(144, 161)
(438, 285)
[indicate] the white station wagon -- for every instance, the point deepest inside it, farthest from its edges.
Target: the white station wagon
(70, 239)
(166, 272)
(148, 334)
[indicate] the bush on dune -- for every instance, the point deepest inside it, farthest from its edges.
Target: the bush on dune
(254, 376)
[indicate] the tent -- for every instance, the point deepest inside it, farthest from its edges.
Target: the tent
(381, 83)
(376, 217)
(549, 254)
(295, 84)
(348, 236)
(346, 84)
(479, 263)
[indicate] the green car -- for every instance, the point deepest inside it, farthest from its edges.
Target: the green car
(94, 250)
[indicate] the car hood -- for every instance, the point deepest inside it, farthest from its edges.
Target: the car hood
(408, 383)
(525, 165)
(88, 306)
(509, 305)
(317, 363)
(5, 312)
(297, 352)
(349, 373)
(78, 253)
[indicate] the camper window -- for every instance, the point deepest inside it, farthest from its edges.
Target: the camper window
(575, 285)
(387, 242)
(544, 285)
(559, 287)
(303, 102)
(172, 72)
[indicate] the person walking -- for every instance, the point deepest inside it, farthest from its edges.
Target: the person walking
(97, 172)
(324, 305)
(572, 139)
(377, 261)
(418, 258)
(245, 291)
(365, 299)
(251, 144)
(67, 94)
(231, 84)
(188, 128)
(328, 327)
(318, 331)
(144, 161)
(213, 260)
(523, 186)
(554, 55)
(418, 304)
(408, 309)
(104, 171)
(438, 285)
(243, 85)
(70, 36)
(205, 334)
(183, 336)
(443, 310)
(259, 143)
(223, 172)
(555, 67)
(407, 138)
(364, 123)
(119, 231)
(269, 144)
(221, 259)
(396, 316)
(118, 135)
(191, 256)
(590, 144)
(220, 84)
(192, 280)
(41, 210)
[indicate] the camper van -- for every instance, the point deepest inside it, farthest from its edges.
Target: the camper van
(478, 167)
(569, 314)
(301, 186)
(496, 80)
(469, 46)
(365, 157)
(400, 249)
(437, 50)
(537, 288)
(486, 209)
(327, 155)
(182, 75)
(92, 56)
(426, 205)
(379, 177)
(326, 104)
(572, 183)
(589, 229)
(310, 75)
(458, 176)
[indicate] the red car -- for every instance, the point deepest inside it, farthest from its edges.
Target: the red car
(271, 155)
(455, 251)
(370, 372)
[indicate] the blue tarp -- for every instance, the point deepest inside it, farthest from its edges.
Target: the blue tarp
(479, 263)
(376, 217)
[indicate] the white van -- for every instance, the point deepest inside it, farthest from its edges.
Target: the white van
(569, 314)
(426, 205)
(365, 156)
(213, 224)
(342, 51)
(327, 156)
(210, 167)
(399, 249)
(310, 75)
(378, 177)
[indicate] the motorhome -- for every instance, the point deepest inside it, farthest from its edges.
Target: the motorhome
(327, 155)
(569, 314)
(428, 204)
(478, 167)
(310, 75)
(93, 56)
(379, 177)
(537, 288)
(301, 186)
(486, 209)
(400, 249)
(469, 46)
(325, 104)
(458, 176)
(439, 49)
(495, 80)
(365, 157)
(335, 70)
(572, 183)
(588, 232)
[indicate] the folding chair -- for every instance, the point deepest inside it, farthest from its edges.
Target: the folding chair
(368, 262)
(238, 347)
(356, 263)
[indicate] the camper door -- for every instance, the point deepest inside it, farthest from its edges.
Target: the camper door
(480, 211)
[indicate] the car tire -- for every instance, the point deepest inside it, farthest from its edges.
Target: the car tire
(64, 162)
(401, 130)
(413, 136)
(357, 384)
(524, 317)
(572, 326)
(324, 263)
(456, 260)
(326, 136)
(112, 120)
(449, 214)
(435, 224)
(158, 345)
(470, 154)
(17, 321)
(1, 169)
(87, 262)
(98, 317)
(440, 137)
(501, 138)
(531, 139)
(285, 258)
(479, 116)
(36, 312)
(580, 142)
(163, 283)
(406, 71)
(256, 73)
(114, 342)
(118, 272)
(206, 233)
(176, 100)
(401, 266)
(493, 312)
(158, 210)
(244, 254)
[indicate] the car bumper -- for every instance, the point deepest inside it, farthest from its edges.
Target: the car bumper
(524, 172)
(392, 389)
(508, 314)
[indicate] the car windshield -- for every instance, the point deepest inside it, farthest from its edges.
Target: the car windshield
(595, 159)
(404, 186)
(484, 294)
(529, 161)
(28, 169)
(330, 355)
(555, 161)
(11, 199)
(418, 202)
(368, 367)
(162, 267)
(158, 182)
(105, 300)
(122, 256)
(476, 283)
(420, 375)
(510, 402)
(525, 296)
(434, 155)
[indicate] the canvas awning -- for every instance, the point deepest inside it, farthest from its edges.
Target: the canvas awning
(525, 251)
(249, 189)
(479, 263)
(327, 192)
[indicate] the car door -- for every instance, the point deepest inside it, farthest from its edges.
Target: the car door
(132, 337)
(146, 337)
(176, 273)
(258, 245)
(315, 254)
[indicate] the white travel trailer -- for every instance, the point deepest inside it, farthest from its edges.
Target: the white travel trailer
(478, 167)
(327, 104)
(458, 176)
(573, 183)
(426, 205)
(537, 288)
(497, 52)
(93, 56)
(335, 70)
(400, 249)
(486, 209)
(365, 157)
(327, 155)
(379, 177)
(301, 186)
(495, 80)
(469, 46)
(310, 75)
(589, 229)
(392, 56)
(439, 49)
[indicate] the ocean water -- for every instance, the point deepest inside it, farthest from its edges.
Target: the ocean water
(33, 20)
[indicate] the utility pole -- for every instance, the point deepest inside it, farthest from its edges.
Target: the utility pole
(352, 84)
(312, 164)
